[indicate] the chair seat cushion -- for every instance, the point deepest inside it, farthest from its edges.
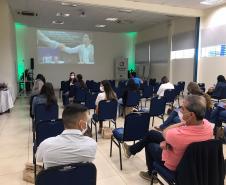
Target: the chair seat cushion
(118, 133)
(168, 175)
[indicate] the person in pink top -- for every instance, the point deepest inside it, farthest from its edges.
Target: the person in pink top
(168, 147)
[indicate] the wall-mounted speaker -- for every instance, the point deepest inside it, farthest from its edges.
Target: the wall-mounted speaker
(32, 63)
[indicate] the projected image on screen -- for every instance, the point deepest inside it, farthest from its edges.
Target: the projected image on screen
(59, 47)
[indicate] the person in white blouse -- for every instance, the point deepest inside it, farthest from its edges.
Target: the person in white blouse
(71, 146)
(84, 50)
(106, 93)
(164, 86)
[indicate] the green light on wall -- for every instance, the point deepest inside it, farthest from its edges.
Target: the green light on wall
(20, 29)
(131, 52)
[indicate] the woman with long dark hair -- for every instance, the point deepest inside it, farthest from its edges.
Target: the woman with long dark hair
(46, 96)
(106, 93)
(39, 82)
(68, 90)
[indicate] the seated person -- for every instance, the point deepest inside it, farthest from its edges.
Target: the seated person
(165, 84)
(169, 147)
(39, 82)
(71, 146)
(215, 92)
(69, 89)
(217, 113)
(175, 115)
(46, 96)
(107, 93)
(80, 83)
(137, 80)
(131, 86)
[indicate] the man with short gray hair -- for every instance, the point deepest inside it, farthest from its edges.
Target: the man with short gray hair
(168, 147)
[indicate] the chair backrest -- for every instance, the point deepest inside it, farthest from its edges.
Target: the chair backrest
(152, 81)
(122, 84)
(177, 89)
(133, 98)
(107, 109)
(44, 112)
(157, 106)
(147, 92)
(202, 163)
(170, 95)
(95, 87)
(136, 126)
(156, 87)
(182, 85)
(119, 92)
(90, 100)
(73, 174)
(112, 82)
(48, 128)
(80, 94)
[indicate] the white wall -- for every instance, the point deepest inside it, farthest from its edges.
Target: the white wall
(181, 69)
(7, 48)
(210, 67)
(107, 47)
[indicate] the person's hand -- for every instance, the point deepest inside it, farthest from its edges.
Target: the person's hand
(61, 46)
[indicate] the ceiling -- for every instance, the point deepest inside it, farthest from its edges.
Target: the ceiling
(179, 3)
(94, 14)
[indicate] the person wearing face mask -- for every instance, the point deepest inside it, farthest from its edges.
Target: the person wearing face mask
(68, 90)
(167, 148)
(175, 115)
(106, 93)
(71, 146)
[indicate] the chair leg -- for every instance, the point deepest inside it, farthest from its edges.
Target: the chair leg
(111, 146)
(153, 121)
(120, 155)
(96, 131)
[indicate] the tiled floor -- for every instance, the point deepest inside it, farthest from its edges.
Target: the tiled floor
(16, 150)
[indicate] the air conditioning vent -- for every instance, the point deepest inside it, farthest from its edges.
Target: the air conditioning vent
(27, 13)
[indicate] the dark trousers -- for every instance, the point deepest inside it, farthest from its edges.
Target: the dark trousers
(216, 114)
(152, 148)
(172, 119)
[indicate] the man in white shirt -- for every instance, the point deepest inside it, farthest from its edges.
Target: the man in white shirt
(164, 86)
(70, 146)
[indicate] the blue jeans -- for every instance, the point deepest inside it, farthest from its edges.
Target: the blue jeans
(172, 119)
(152, 148)
(217, 115)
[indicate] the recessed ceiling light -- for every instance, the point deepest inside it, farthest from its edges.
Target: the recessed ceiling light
(66, 15)
(125, 10)
(112, 19)
(100, 25)
(58, 14)
(57, 22)
(74, 5)
(65, 3)
(211, 2)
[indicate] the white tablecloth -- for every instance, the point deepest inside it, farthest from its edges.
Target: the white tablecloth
(6, 101)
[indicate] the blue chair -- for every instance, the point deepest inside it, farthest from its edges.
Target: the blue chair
(122, 84)
(119, 92)
(156, 88)
(95, 87)
(170, 95)
(157, 108)
(133, 99)
(107, 111)
(44, 112)
(177, 89)
(147, 93)
(71, 174)
(80, 95)
(44, 130)
(90, 101)
(182, 86)
(202, 163)
(62, 88)
(112, 82)
(136, 126)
